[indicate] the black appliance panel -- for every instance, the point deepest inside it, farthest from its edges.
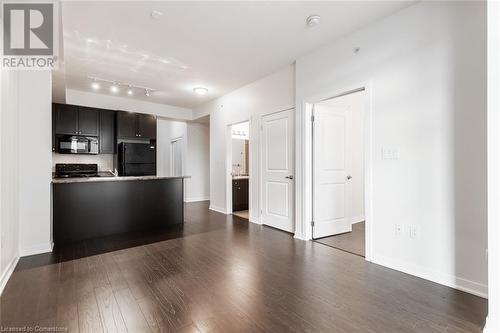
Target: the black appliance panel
(74, 144)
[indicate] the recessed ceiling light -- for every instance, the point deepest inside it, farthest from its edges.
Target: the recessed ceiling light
(147, 92)
(313, 20)
(156, 14)
(129, 91)
(200, 90)
(96, 85)
(114, 88)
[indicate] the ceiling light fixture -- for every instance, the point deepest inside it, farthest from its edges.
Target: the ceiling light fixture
(313, 20)
(114, 88)
(200, 90)
(95, 85)
(156, 14)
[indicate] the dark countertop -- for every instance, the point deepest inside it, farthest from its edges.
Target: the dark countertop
(107, 177)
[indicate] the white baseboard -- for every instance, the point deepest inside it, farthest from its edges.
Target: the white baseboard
(218, 209)
(35, 249)
(451, 281)
(254, 220)
(357, 219)
(196, 199)
(6, 274)
(300, 236)
(492, 325)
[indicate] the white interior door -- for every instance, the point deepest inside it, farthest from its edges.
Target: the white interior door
(176, 165)
(332, 161)
(277, 170)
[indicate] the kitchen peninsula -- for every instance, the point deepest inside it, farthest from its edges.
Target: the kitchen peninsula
(95, 207)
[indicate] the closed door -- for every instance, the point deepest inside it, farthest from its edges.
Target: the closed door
(176, 157)
(278, 170)
(332, 161)
(88, 121)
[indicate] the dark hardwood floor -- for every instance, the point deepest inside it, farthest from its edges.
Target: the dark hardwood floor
(352, 242)
(222, 274)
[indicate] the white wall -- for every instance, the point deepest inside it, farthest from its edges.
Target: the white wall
(493, 321)
(84, 98)
(9, 177)
(428, 86)
(270, 94)
(198, 162)
(35, 166)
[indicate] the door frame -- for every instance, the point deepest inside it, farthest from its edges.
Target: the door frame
(307, 141)
(261, 166)
(229, 166)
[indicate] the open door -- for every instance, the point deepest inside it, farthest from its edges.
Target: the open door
(278, 170)
(332, 160)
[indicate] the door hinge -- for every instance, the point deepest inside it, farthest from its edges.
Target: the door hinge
(312, 223)
(261, 212)
(312, 118)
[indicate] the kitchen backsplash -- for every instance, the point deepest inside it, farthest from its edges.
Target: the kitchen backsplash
(104, 161)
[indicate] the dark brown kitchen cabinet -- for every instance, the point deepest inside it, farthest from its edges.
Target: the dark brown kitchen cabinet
(66, 119)
(135, 125)
(88, 121)
(240, 194)
(146, 125)
(126, 124)
(106, 132)
(76, 120)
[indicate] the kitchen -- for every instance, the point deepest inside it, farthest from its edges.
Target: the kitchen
(117, 185)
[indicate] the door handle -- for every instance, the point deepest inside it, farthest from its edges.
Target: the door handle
(289, 177)
(349, 177)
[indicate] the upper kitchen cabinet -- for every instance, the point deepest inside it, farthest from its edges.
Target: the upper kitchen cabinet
(146, 125)
(126, 124)
(76, 120)
(66, 119)
(88, 121)
(135, 125)
(106, 132)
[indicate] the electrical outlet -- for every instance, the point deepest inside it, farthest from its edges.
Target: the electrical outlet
(390, 153)
(413, 231)
(398, 229)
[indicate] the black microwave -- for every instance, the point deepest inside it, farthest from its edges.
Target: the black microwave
(74, 144)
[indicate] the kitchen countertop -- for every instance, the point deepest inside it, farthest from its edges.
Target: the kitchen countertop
(240, 177)
(106, 178)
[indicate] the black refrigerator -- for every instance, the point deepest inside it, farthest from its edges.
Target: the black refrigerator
(136, 159)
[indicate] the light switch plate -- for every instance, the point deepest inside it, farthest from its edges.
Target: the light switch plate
(390, 153)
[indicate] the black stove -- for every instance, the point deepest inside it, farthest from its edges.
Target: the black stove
(76, 170)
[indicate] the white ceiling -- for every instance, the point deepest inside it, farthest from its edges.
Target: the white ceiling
(217, 45)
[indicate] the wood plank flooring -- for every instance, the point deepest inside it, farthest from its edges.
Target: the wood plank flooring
(352, 242)
(222, 274)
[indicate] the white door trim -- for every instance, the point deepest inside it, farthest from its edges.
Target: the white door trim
(306, 172)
